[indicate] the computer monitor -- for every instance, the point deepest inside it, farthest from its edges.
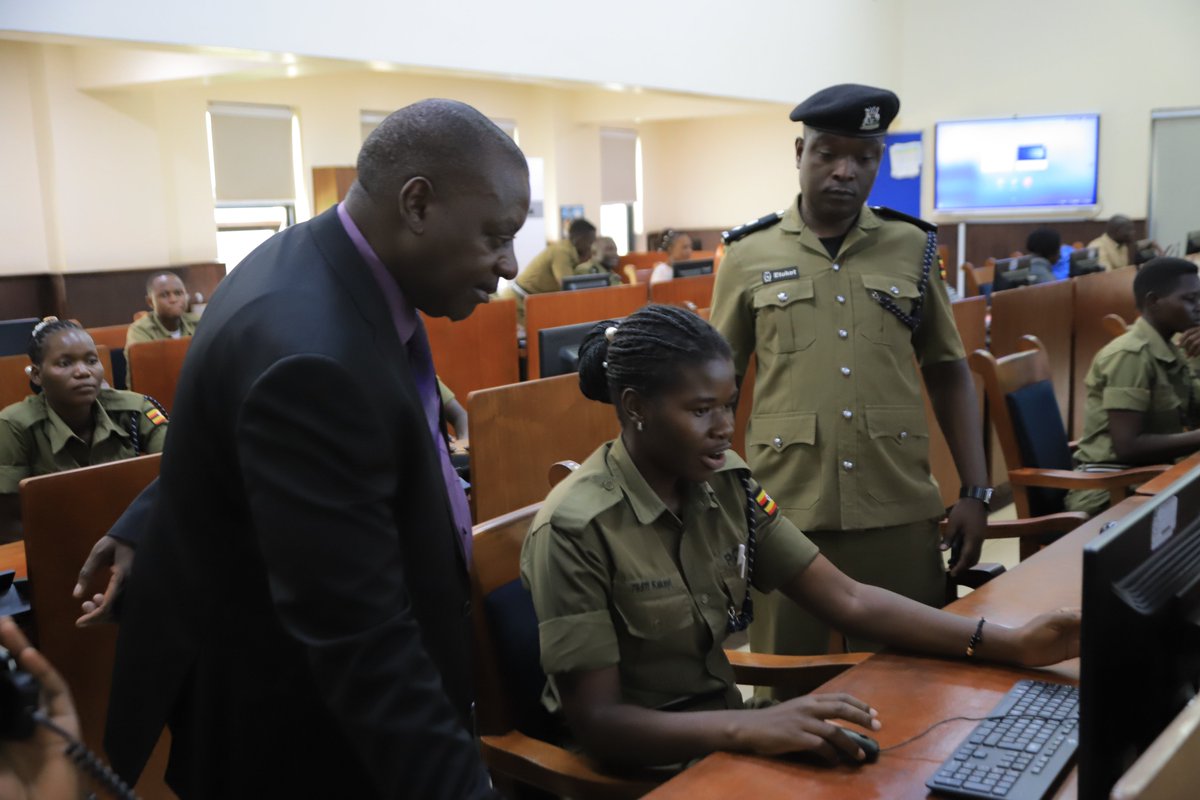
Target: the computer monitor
(1140, 646)
(15, 335)
(1084, 266)
(558, 348)
(1193, 243)
(689, 269)
(1013, 272)
(1144, 251)
(597, 280)
(1085, 254)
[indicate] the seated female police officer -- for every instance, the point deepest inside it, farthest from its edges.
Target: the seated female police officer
(75, 420)
(640, 561)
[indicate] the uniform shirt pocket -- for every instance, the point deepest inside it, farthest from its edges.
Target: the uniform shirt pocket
(653, 615)
(782, 449)
(784, 316)
(895, 464)
(876, 322)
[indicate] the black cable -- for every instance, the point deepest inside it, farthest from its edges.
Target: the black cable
(927, 731)
(87, 761)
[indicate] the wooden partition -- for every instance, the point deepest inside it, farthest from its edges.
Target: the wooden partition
(552, 309)
(970, 318)
(63, 515)
(1095, 296)
(478, 352)
(642, 260)
(696, 290)
(155, 367)
(14, 383)
(1045, 311)
(518, 431)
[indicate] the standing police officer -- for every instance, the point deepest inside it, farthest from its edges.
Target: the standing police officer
(835, 298)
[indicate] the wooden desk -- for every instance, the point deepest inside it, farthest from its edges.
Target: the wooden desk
(911, 693)
(12, 557)
(1163, 481)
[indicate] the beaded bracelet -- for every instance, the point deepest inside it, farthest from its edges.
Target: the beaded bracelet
(976, 638)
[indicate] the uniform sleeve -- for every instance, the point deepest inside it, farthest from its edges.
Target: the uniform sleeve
(936, 340)
(152, 427)
(568, 578)
(781, 551)
(562, 265)
(445, 393)
(731, 314)
(15, 456)
(1127, 382)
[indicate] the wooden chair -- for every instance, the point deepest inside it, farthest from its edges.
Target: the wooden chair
(14, 382)
(478, 352)
(1024, 413)
(1167, 770)
(975, 278)
(552, 309)
(155, 367)
(112, 336)
(1114, 324)
(1042, 311)
(1033, 533)
(1095, 297)
(696, 290)
(508, 695)
(63, 515)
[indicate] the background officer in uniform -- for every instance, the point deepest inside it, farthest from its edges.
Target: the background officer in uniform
(548, 268)
(835, 299)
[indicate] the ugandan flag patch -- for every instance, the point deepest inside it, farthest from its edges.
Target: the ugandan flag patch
(156, 416)
(766, 503)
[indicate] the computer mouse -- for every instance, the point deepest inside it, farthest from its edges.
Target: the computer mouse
(869, 746)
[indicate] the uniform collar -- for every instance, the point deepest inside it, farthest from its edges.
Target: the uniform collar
(648, 506)
(792, 222)
(1159, 347)
(59, 432)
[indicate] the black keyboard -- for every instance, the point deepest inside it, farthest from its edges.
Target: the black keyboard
(1020, 750)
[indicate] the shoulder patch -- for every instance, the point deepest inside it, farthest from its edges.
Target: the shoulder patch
(156, 416)
(741, 231)
(893, 214)
(763, 500)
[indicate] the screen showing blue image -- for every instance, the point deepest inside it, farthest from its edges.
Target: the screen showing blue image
(1016, 163)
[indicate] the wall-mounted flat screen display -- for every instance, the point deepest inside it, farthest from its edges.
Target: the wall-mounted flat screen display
(1016, 163)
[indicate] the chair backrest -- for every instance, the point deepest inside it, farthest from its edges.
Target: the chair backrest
(14, 383)
(113, 336)
(14, 335)
(696, 290)
(1096, 296)
(552, 309)
(509, 677)
(517, 430)
(1024, 412)
(975, 278)
(478, 352)
(1043, 311)
(1114, 324)
(1167, 770)
(642, 259)
(62, 516)
(155, 366)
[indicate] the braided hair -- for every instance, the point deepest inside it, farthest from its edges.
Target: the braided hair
(645, 352)
(43, 331)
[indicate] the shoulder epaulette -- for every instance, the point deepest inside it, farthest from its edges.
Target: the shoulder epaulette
(898, 216)
(733, 234)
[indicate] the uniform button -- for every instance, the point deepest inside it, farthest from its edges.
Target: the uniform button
(703, 599)
(895, 290)
(609, 485)
(847, 414)
(846, 371)
(841, 298)
(777, 441)
(843, 333)
(837, 267)
(782, 297)
(903, 434)
(847, 465)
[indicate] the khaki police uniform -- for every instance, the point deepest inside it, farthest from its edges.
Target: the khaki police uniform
(594, 267)
(838, 432)
(34, 440)
(149, 329)
(1138, 371)
(548, 268)
(618, 580)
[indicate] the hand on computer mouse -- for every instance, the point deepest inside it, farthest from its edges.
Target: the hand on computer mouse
(869, 746)
(802, 726)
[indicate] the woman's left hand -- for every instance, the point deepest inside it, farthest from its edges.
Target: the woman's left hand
(1049, 638)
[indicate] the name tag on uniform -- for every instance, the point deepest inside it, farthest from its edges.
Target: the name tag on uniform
(773, 275)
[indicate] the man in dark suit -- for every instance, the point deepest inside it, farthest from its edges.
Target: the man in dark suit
(299, 610)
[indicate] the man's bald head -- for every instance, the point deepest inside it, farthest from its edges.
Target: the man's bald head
(447, 142)
(1120, 229)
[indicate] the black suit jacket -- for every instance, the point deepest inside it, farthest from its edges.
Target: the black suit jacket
(298, 610)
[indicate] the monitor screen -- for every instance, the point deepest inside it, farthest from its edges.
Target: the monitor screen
(15, 335)
(573, 282)
(1193, 243)
(688, 269)
(558, 348)
(1140, 642)
(1022, 162)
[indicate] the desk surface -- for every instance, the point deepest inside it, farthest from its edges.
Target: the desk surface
(911, 693)
(12, 557)
(1163, 481)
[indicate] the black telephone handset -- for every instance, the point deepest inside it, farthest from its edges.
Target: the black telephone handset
(20, 714)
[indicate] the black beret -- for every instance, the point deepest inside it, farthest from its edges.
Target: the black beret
(849, 109)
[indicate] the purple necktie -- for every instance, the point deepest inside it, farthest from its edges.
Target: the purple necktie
(421, 362)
